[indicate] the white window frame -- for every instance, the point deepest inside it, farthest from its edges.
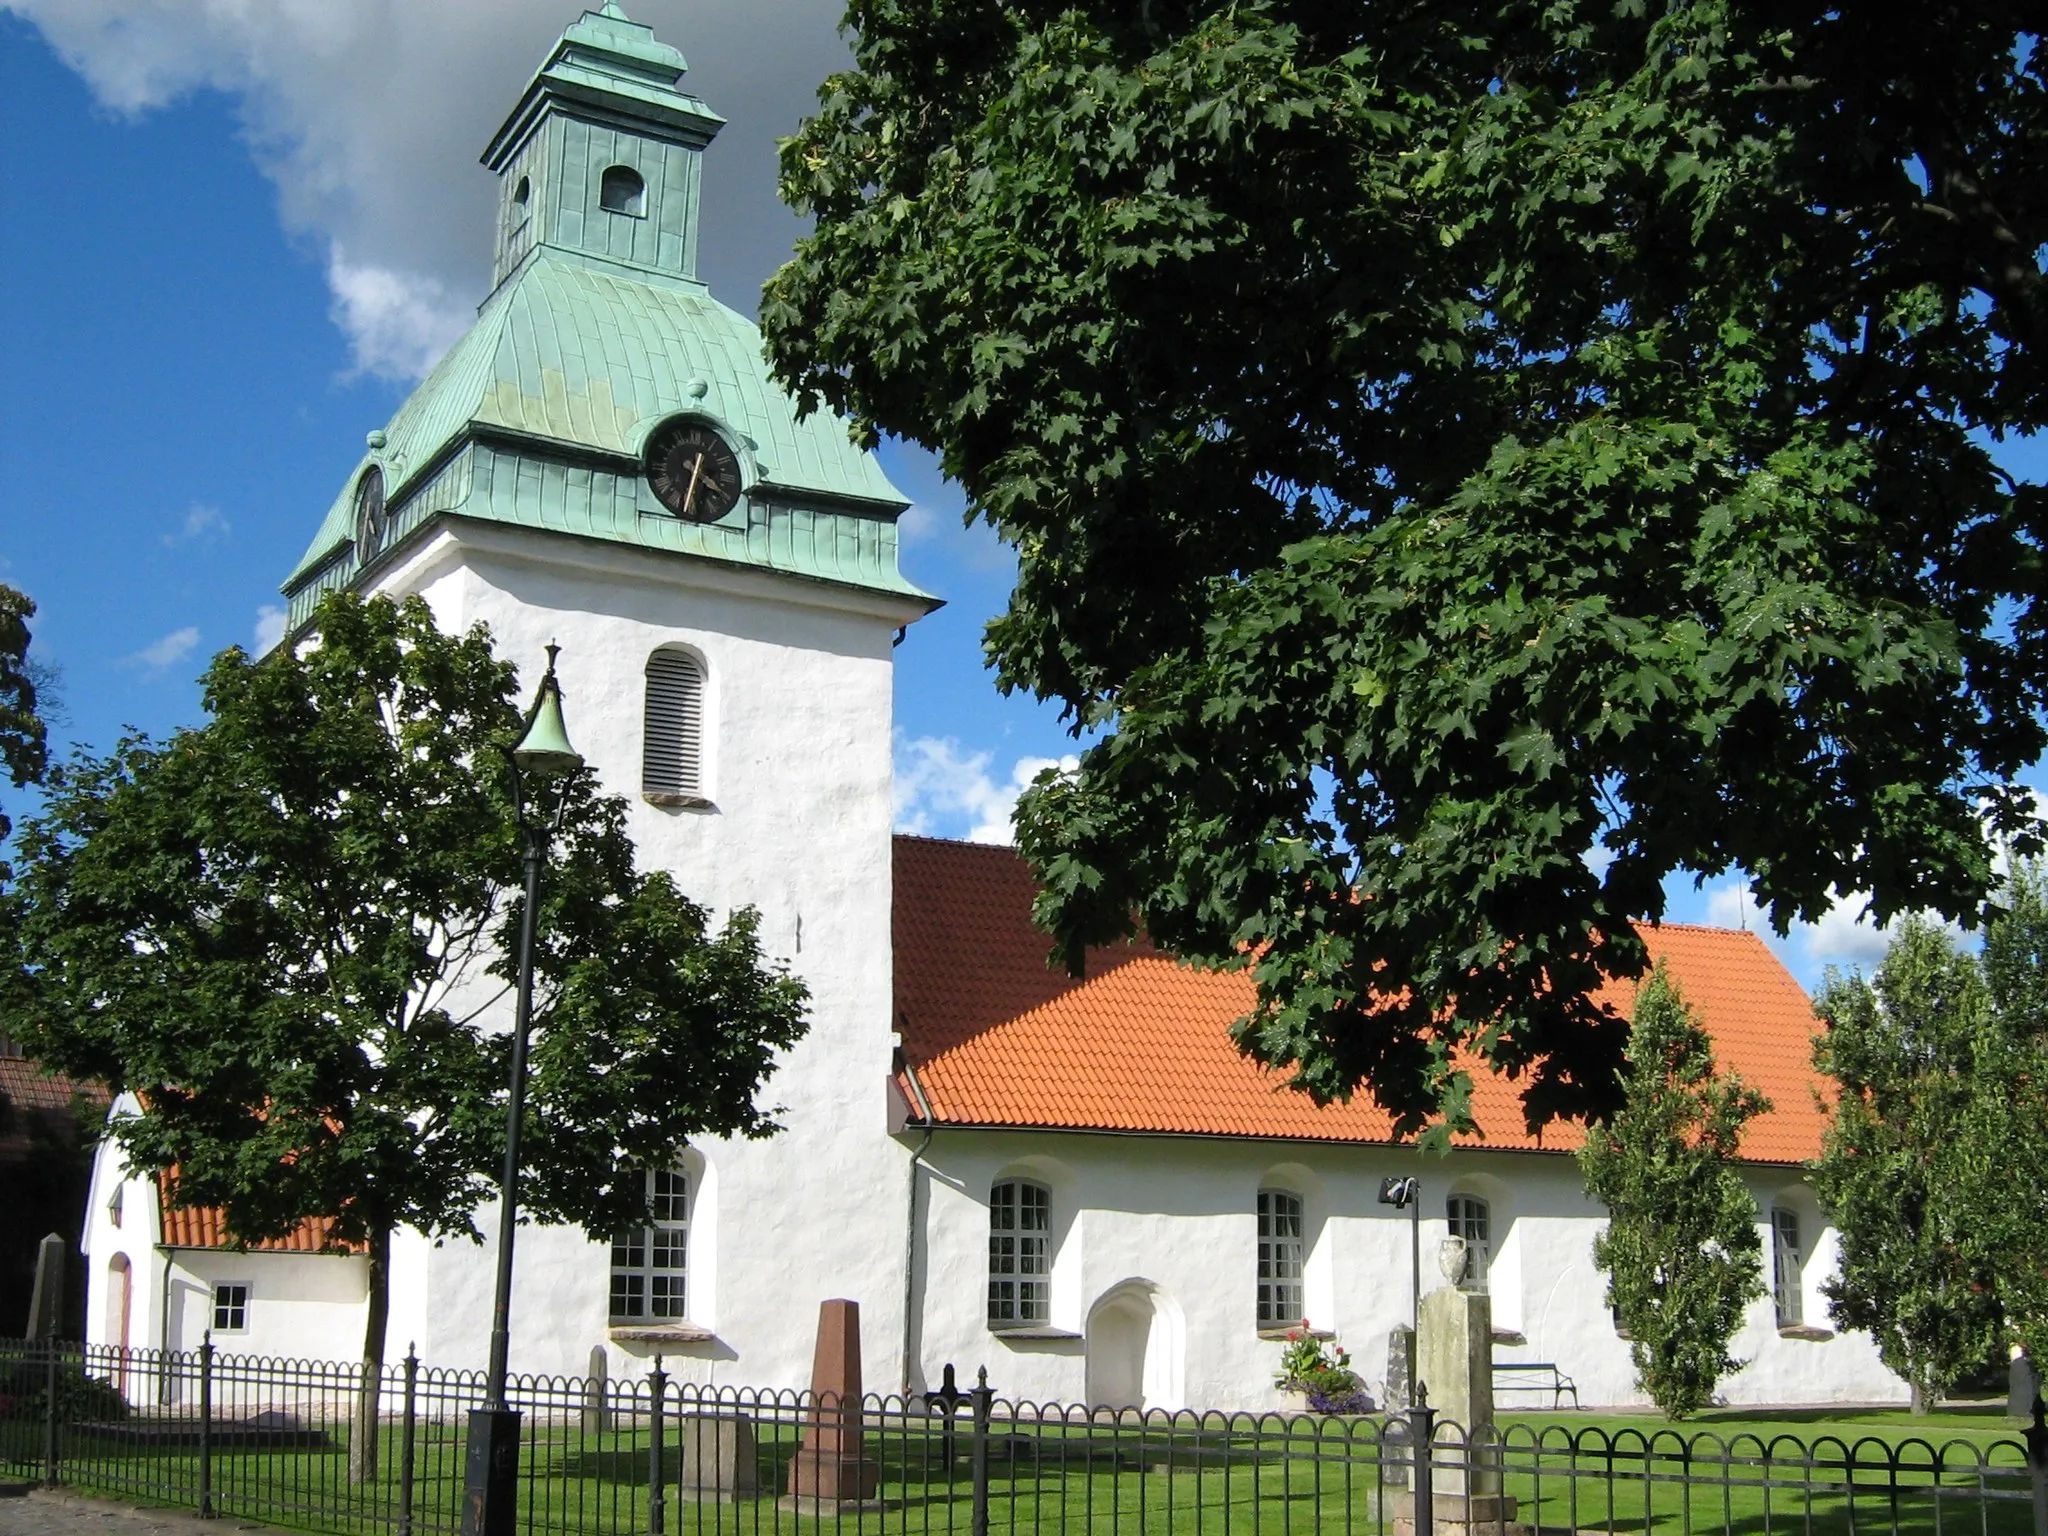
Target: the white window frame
(650, 1269)
(220, 1304)
(1282, 1258)
(1788, 1267)
(1470, 1216)
(1019, 1254)
(673, 748)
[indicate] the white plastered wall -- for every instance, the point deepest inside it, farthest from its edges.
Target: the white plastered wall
(1177, 1214)
(798, 708)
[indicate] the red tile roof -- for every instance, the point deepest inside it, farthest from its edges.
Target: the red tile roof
(29, 1090)
(1143, 1045)
(205, 1226)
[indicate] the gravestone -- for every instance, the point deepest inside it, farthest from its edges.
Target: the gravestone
(2023, 1385)
(1454, 1361)
(596, 1408)
(46, 1301)
(1400, 1368)
(829, 1471)
(718, 1457)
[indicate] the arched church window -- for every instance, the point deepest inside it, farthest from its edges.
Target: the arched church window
(672, 750)
(1019, 1254)
(622, 191)
(1788, 1267)
(1471, 1219)
(650, 1264)
(369, 514)
(1280, 1259)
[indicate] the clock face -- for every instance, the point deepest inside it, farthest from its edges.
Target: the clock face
(369, 515)
(692, 470)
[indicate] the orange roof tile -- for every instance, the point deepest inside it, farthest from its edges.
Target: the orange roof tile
(30, 1091)
(1143, 1044)
(206, 1226)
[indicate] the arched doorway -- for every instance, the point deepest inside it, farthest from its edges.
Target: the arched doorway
(1135, 1339)
(120, 1300)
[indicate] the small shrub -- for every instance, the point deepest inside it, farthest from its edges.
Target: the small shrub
(81, 1399)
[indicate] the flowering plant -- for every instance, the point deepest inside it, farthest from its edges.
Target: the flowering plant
(1305, 1357)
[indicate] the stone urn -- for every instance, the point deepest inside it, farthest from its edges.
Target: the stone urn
(1454, 1258)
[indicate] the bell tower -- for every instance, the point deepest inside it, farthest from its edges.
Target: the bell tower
(604, 153)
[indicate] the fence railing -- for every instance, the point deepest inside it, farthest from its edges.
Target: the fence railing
(300, 1444)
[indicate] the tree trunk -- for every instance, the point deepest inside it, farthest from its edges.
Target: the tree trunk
(362, 1440)
(1923, 1398)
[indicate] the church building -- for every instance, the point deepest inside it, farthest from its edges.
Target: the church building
(1077, 1184)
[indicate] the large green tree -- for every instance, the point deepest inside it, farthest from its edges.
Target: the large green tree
(1903, 1052)
(289, 930)
(1466, 462)
(1681, 1248)
(2001, 1151)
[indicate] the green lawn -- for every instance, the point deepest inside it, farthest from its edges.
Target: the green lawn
(1310, 1478)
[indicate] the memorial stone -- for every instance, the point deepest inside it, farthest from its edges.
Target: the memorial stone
(829, 1470)
(1454, 1361)
(718, 1457)
(46, 1301)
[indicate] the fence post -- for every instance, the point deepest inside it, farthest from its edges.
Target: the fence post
(983, 1398)
(206, 1425)
(50, 1467)
(1421, 1477)
(657, 1387)
(2037, 1462)
(410, 1422)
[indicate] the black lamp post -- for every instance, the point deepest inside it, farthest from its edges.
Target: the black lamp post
(491, 1475)
(1406, 1193)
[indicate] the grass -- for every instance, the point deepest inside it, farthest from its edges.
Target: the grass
(1727, 1472)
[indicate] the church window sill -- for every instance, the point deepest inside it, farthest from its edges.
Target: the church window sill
(1283, 1334)
(677, 802)
(661, 1333)
(1810, 1335)
(1040, 1332)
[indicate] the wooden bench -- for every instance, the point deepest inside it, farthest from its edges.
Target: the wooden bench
(1546, 1378)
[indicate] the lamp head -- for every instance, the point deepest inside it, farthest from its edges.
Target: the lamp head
(1397, 1192)
(544, 750)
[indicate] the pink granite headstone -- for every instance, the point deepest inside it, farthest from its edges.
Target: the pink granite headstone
(829, 1467)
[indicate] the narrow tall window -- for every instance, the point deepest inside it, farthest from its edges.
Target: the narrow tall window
(650, 1264)
(622, 191)
(1788, 1267)
(1019, 1254)
(231, 1307)
(1471, 1220)
(672, 754)
(1280, 1259)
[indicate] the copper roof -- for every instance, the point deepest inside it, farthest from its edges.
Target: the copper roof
(1143, 1045)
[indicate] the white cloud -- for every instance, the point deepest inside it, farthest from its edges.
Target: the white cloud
(975, 546)
(201, 522)
(368, 116)
(269, 627)
(398, 323)
(160, 655)
(943, 791)
(1845, 936)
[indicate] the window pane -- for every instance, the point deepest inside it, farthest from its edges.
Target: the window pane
(1019, 1216)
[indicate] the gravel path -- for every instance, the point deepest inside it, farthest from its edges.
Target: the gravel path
(57, 1512)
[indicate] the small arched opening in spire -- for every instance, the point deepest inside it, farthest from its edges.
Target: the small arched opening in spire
(622, 191)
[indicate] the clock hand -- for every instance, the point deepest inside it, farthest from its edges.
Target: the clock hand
(690, 496)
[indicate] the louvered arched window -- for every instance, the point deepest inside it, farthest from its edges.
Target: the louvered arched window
(672, 760)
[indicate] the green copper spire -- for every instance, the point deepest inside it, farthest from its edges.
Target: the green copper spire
(596, 334)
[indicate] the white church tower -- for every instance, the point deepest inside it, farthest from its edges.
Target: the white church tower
(603, 461)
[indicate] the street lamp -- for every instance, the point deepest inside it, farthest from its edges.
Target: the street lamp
(491, 1480)
(1405, 1192)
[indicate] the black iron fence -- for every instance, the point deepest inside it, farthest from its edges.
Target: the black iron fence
(311, 1445)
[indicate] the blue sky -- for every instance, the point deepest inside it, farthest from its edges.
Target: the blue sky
(230, 240)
